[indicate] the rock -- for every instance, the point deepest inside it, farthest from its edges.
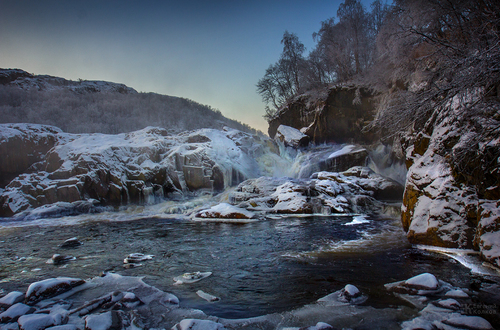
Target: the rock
(336, 114)
(319, 326)
(206, 296)
(63, 327)
(191, 277)
(425, 281)
(448, 303)
(70, 243)
(291, 137)
(14, 312)
(50, 287)
(192, 324)
(11, 298)
(469, 322)
(58, 259)
(40, 321)
(345, 158)
(225, 211)
(457, 293)
(135, 258)
(104, 321)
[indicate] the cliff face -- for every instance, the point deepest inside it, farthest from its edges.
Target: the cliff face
(453, 183)
(336, 114)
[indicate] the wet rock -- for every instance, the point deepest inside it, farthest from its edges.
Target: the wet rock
(50, 287)
(59, 259)
(11, 298)
(14, 312)
(70, 243)
(192, 324)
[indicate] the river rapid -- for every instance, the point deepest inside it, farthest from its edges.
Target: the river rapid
(258, 267)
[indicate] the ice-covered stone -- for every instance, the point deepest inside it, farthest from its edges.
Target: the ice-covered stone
(50, 287)
(11, 298)
(193, 324)
(448, 303)
(14, 312)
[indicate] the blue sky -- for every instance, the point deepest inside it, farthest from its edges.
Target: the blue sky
(213, 52)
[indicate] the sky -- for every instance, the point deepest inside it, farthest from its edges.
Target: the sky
(212, 52)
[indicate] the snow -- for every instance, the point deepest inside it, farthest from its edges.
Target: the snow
(456, 293)
(224, 210)
(425, 281)
(490, 243)
(208, 297)
(290, 136)
(351, 290)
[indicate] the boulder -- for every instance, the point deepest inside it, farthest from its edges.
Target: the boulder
(225, 211)
(291, 137)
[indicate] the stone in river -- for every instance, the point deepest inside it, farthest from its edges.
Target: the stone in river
(40, 321)
(70, 243)
(193, 324)
(425, 281)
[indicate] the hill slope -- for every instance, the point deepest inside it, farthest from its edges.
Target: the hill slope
(98, 106)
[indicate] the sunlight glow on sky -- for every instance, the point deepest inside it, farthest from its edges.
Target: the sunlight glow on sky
(212, 52)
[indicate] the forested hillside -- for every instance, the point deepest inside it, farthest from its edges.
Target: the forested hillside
(97, 106)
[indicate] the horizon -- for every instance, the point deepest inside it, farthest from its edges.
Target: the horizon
(212, 53)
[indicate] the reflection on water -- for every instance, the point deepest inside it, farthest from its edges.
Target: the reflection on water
(258, 268)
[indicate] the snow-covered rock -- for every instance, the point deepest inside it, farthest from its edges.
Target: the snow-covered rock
(193, 324)
(76, 171)
(11, 298)
(452, 191)
(291, 137)
(225, 211)
(352, 191)
(50, 287)
(425, 281)
(39, 321)
(14, 312)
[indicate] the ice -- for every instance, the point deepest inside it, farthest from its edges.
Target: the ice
(344, 151)
(208, 297)
(39, 321)
(99, 322)
(424, 281)
(456, 293)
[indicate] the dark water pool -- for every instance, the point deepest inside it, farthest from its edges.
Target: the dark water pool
(258, 268)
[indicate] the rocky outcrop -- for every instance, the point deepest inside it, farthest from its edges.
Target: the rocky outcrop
(145, 166)
(291, 137)
(453, 183)
(358, 190)
(336, 114)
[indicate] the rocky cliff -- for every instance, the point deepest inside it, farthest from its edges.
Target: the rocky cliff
(41, 165)
(336, 114)
(452, 195)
